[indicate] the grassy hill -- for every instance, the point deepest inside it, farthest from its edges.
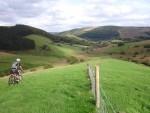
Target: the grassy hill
(110, 32)
(45, 53)
(126, 85)
(138, 52)
(67, 89)
(43, 46)
(12, 37)
(101, 33)
(35, 47)
(58, 90)
(76, 32)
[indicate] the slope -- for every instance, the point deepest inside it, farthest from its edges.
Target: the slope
(66, 89)
(12, 37)
(57, 90)
(126, 85)
(110, 32)
(132, 51)
(45, 53)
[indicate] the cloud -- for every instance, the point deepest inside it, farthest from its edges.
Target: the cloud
(59, 15)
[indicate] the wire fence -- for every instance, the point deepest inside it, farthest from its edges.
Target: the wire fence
(105, 106)
(91, 73)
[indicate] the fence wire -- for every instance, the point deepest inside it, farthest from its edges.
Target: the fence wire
(105, 104)
(91, 73)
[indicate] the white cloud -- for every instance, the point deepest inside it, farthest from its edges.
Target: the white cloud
(58, 15)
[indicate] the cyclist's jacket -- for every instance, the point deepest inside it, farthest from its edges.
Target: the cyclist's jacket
(15, 65)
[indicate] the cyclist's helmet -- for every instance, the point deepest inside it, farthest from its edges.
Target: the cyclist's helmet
(18, 59)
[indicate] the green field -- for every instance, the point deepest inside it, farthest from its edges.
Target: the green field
(127, 85)
(57, 90)
(28, 61)
(52, 49)
(53, 52)
(67, 89)
(131, 48)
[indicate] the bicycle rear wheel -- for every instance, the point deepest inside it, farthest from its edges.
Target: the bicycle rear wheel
(10, 80)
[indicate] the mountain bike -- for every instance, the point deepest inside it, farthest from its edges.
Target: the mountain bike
(13, 79)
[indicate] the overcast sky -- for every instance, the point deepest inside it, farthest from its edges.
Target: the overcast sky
(60, 15)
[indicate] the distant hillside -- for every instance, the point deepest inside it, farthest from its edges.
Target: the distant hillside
(76, 32)
(13, 37)
(136, 51)
(110, 32)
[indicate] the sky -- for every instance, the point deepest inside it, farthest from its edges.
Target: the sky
(61, 15)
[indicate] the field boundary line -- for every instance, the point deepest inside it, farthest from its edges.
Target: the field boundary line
(102, 103)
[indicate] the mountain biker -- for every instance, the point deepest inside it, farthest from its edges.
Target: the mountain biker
(16, 68)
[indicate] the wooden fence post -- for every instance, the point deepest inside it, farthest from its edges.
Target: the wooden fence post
(97, 87)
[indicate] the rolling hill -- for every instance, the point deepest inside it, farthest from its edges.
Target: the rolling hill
(58, 90)
(110, 32)
(35, 47)
(45, 53)
(12, 37)
(66, 89)
(138, 52)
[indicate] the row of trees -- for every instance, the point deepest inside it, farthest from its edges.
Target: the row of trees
(12, 38)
